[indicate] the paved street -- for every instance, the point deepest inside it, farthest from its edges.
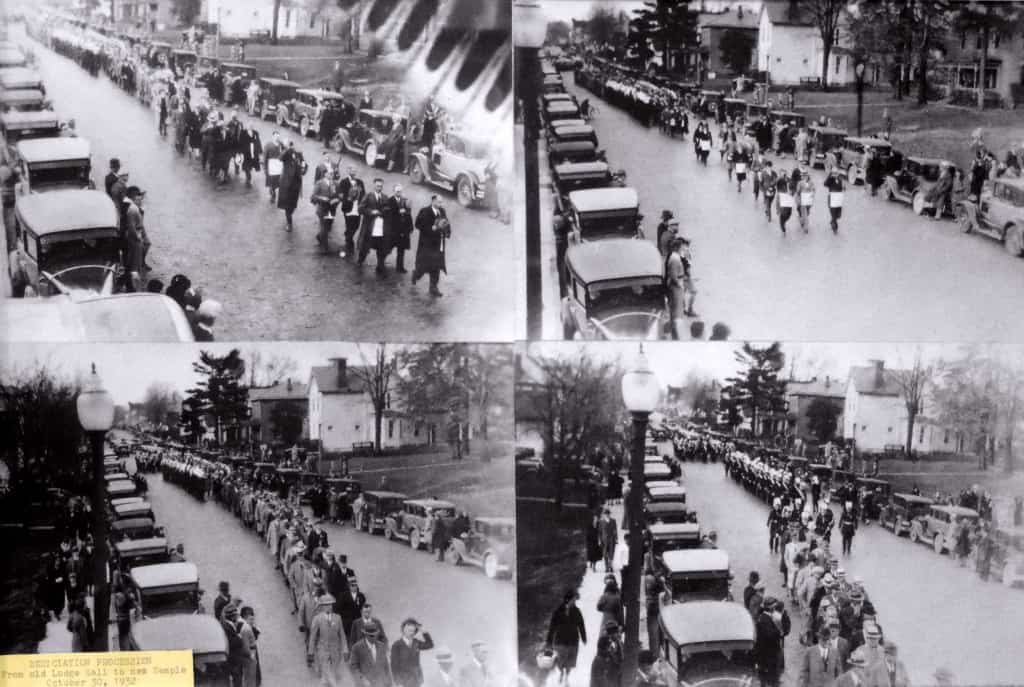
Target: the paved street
(276, 285)
(456, 605)
(888, 274)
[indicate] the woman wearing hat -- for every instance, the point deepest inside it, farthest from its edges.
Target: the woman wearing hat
(565, 632)
(606, 670)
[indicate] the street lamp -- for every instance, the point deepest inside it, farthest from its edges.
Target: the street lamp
(529, 28)
(640, 394)
(95, 409)
(858, 71)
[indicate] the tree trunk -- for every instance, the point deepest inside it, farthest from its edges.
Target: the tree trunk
(922, 66)
(277, 14)
(911, 417)
(378, 420)
(1011, 421)
(982, 65)
(824, 64)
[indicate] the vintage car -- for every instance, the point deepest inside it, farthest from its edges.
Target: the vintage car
(604, 213)
(134, 528)
(48, 164)
(370, 135)
(18, 126)
(457, 163)
(273, 92)
(202, 635)
(182, 59)
(694, 574)
(414, 522)
(68, 240)
(347, 487)
(667, 512)
(875, 485)
(126, 499)
(998, 213)
(21, 77)
(614, 290)
(166, 588)
(131, 553)
(574, 151)
(788, 117)
(11, 57)
(902, 510)
(823, 139)
(576, 132)
(657, 471)
(117, 475)
(734, 107)
(24, 100)
(557, 124)
(852, 156)
(549, 98)
(567, 177)
(707, 643)
(560, 109)
(756, 111)
(935, 527)
(675, 493)
(120, 318)
(377, 506)
(713, 101)
(121, 487)
(139, 509)
(912, 181)
(490, 544)
(673, 536)
(1007, 564)
(300, 112)
(552, 84)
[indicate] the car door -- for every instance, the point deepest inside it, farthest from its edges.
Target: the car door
(577, 303)
(453, 158)
(999, 205)
(986, 204)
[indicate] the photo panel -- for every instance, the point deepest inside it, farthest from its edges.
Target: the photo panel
(296, 171)
(337, 491)
(783, 186)
(794, 502)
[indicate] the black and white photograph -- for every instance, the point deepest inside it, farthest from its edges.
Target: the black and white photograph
(796, 169)
(292, 514)
(272, 169)
(805, 514)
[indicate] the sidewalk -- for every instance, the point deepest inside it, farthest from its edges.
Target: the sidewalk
(590, 591)
(58, 639)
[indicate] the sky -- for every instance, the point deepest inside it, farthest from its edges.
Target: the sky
(673, 361)
(128, 369)
(567, 10)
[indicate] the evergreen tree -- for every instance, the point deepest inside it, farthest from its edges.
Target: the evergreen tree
(219, 394)
(757, 390)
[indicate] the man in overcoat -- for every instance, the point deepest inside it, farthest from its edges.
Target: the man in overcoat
(369, 662)
(432, 223)
(399, 227)
(374, 212)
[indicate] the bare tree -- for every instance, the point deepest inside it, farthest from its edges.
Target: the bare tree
(376, 377)
(269, 369)
(160, 399)
(826, 15)
(913, 384)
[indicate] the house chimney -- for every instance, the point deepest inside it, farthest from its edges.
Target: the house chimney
(739, 12)
(879, 366)
(828, 382)
(289, 384)
(340, 367)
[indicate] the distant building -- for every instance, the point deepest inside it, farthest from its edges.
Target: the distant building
(531, 430)
(1004, 66)
(713, 26)
(264, 400)
(150, 15)
(245, 18)
(716, 6)
(341, 413)
(802, 394)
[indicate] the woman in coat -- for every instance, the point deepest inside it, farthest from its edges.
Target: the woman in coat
(565, 632)
(594, 542)
(78, 627)
(610, 605)
(606, 670)
(293, 167)
(55, 587)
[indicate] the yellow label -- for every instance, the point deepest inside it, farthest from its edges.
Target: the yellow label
(115, 669)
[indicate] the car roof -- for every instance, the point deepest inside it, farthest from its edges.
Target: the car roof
(13, 95)
(388, 494)
(132, 523)
(67, 210)
(665, 506)
(561, 106)
(870, 141)
(119, 318)
(132, 545)
(958, 511)
(271, 81)
(120, 484)
(322, 93)
(667, 491)
(34, 150)
(593, 167)
(936, 161)
(695, 560)
(914, 498)
(614, 258)
(20, 74)
(574, 129)
(165, 574)
(787, 113)
(674, 528)
(697, 622)
(202, 634)
(656, 468)
(237, 65)
(570, 146)
(828, 130)
(491, 520)
(27, 120)
(134, 507)
(431, 503)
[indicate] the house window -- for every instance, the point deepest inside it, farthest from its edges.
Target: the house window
(945, 437)
(287, 18)
(391, 429)
(890, 430)
(839, 61)
(963, 40)
(312, 20)
(920, 439)
(416, 429)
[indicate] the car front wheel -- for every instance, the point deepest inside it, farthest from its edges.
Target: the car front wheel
(937, 544)
(963, 219)
(1014, 240)
(416, 173)
(491, 566)
(452, 556)
(918, 203)
(914, 536)
(414, 540)
(464, 191)
(370, 155)
(389, 534)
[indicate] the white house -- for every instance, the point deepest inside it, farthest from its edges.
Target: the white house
(242, 18)
(341, 413)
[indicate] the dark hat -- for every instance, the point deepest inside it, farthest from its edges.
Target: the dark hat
(134, 191)
(868, 608)
(611, 626)
(646, 657)
(410, 621)
(223, 586)
(667, 214)
(370, 630)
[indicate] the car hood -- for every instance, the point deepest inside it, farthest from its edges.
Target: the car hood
(628, 323)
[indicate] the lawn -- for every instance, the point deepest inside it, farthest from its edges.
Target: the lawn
(949, 477)
(481, 488)
(551, 553)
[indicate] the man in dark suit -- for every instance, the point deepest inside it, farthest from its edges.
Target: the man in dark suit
(399, 228)
(374, 212)
(432, 223)
(820, 664)
(369, 662)
(364, 621)
(317, 538)
(111, 178)
(609, 533)
(350, 606)
(335, 579)
(405, 655)
(348, 199)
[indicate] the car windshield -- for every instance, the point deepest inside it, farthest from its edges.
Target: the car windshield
(610, 223)
(15, 135)
(58, 252)
(444, 512)
(929, 172)
(390, 504)
(637, 293)
(705, 588)
(162, 602)
(71, 172)
(710, 664)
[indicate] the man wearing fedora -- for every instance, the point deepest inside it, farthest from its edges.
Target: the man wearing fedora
(446, 676)
(405, 654)
(364, 621)
(327, 646)
(820, 664)
(476, 673)
(369, 662)
(856, 676)
(238, 650)
(136, 241)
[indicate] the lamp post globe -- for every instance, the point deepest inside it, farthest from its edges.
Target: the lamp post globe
(94, 405)
(640, 391)
(529, 26)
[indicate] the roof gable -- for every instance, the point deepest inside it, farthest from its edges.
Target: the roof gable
(865, 382)
(326, 377)
(279, 392)
(788, 13)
